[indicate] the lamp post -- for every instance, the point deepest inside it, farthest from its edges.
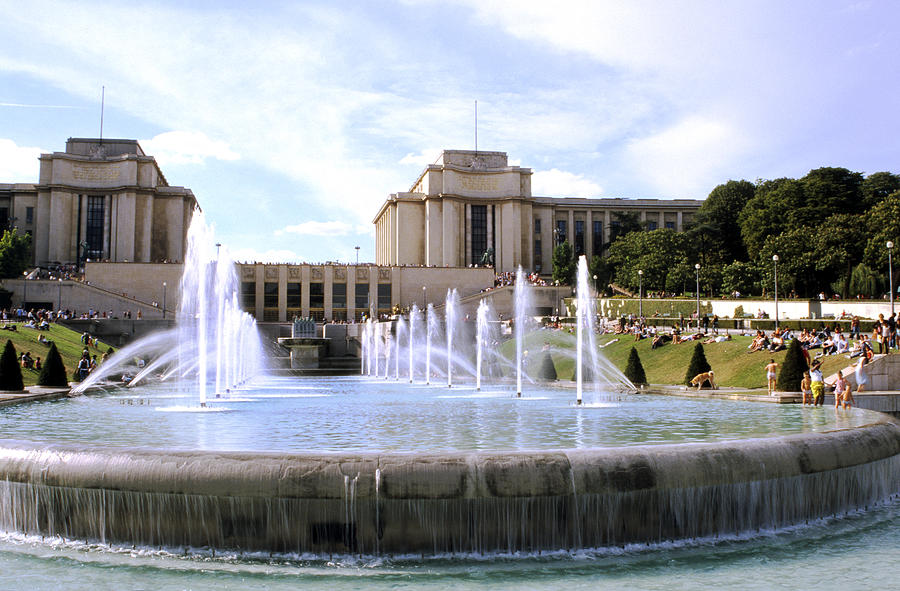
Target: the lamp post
(697, 269)
(357, 254)
(164, 299)
(890, 246)
(424, 297)
(557, 299)
(775, 262)
(640, 293)
(59, 296)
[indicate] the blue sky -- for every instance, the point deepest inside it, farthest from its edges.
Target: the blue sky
(293, 121)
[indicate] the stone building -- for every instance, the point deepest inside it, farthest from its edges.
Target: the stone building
(469, 203)
(100, 200)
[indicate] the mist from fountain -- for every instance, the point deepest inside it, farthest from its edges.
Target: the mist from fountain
(401, 331)
(521, 310)
(431, 328)
(451, 320)
(415, 318)
(214, 346)
(481, 333)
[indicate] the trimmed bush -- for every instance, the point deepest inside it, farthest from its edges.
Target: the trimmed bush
(634, 370)
(53, 373)
(792, 369)
(547, 371)
(698, 364)
(10, 372)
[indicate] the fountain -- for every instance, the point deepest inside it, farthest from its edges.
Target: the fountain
(482, 329)
(522, 309)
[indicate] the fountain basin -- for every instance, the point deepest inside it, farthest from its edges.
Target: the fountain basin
(437, 503)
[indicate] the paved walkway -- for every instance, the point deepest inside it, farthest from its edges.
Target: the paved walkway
(31, 394)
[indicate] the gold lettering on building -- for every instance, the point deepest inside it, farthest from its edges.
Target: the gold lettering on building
(109, 172)
(479, 183)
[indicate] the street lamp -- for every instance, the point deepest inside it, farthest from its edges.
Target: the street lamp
(164, 299)
(59, 296)
(775, 262)
(640, 293)
(357, 254)
(697, 269)
(557, 299)
(424, 297)
(890, 245)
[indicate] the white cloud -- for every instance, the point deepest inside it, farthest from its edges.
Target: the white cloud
(560, 183)
(423, 158)
(186, 147)
(332, 228)
(18, 164)
(249, 255)
(688, 158)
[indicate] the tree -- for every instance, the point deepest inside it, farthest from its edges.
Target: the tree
(792, 369)
(768, 213)
(717, 219)
(863, 282)
(651, 252)
(547, 370)
(10, 372)
(882, 223)
(625, 223)
(15, 253)
(877, 186)
(564, 264)
(634, 370)
(698, 364)
(741, 277)
(599, 268)
(837, 248)
(53, 373)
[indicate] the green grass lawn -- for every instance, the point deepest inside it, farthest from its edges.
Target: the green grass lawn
(68, 343)
(733, 365)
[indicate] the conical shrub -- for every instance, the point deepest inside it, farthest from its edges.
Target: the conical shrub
(792, 369)
(10, 372)
(698, 364)
(634, 370)
(547, 371)
(53, 373)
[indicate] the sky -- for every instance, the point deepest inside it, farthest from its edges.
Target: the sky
(292, 122)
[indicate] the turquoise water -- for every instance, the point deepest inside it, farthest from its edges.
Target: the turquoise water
(375, 415)
(859, 551)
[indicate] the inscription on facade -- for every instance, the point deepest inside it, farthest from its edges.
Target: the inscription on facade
(479, 183)
(106, 173)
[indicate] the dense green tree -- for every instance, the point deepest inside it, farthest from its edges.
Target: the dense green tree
(717, 220)
(10, 371)
(564, 264)
(53, 372)
(881, 224)
(634, 370)
(599, 268)
(624, 223)
(652, 252)
(740, 276)
(831, 190)
(547, 371)
(792, 369)
(768, 212)
(15, 253)
(864, 282)
(698, 364)
(877, 186)
(796, 267)
(836, 248)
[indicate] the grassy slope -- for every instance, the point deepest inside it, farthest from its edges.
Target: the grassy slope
(733, 365)
(68, 342)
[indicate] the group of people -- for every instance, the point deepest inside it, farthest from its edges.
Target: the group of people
(813, 385)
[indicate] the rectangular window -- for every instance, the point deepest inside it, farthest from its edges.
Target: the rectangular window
(670, 225)
(29, 215)
(579, 238)
(597, 238)
(316, 296)
(560, 231)
(537, 226)
(339, 296)
(538, 256)
(651, 225)
(479, 233)
(384, 296)
(4, 218)
(270, 295)
(248, 295)
(93, 234)
(362, 296)
(294, 299)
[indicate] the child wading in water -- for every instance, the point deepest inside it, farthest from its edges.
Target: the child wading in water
(806, 388)
(847, 396)
(770, 376)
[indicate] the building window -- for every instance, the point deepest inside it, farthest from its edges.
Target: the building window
(362, 296)
(651, 225)
(294, 301)
(270, 295)
(317, 296)
(579, 238)
(94, 233)
(597, 238)
(384, 296)
(339, 295)
(4, 218)
(560, 232)
(537, 226)
(29, 215)
(538, 256)
(248, 295)
(479, 233)
(670, 225)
